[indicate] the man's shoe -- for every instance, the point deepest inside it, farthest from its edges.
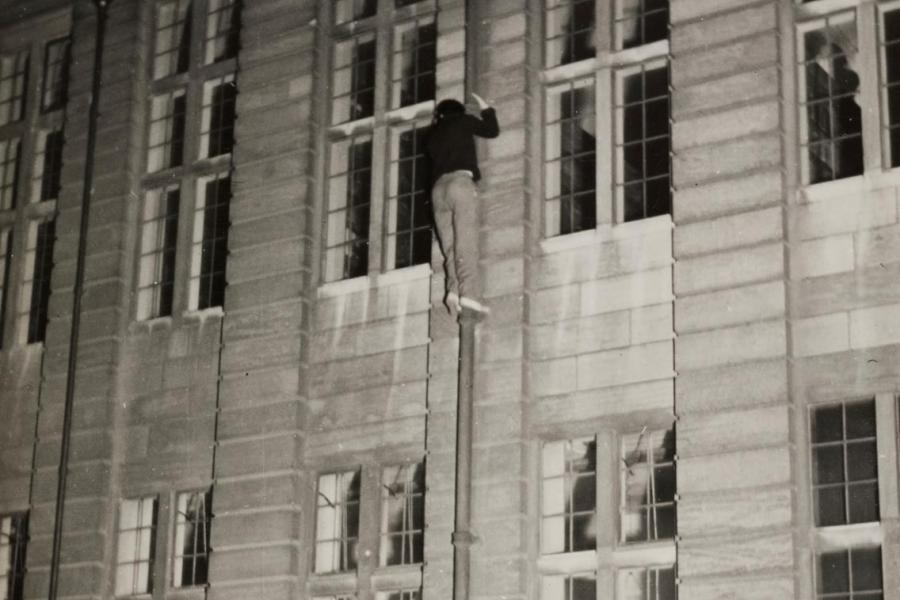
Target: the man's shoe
(475, 305)
(451, 301)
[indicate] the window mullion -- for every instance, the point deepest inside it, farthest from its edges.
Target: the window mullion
(608, 209)
(380, 140)
(869, 87)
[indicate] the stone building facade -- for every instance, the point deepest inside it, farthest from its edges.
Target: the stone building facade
(689, 237)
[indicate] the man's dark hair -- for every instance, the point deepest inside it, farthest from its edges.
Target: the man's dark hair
(448, 107)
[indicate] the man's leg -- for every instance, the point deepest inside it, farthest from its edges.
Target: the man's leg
(443, 221)
(463, 196)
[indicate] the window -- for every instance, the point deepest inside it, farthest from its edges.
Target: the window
(32, 140)
(890, 77)
(569, 496)
(646, 584)
(845, 451)
(578, 491)
(223, 24)
(642, 142)
(9, 172)
(156, 270)
(54, 92)
(136, 546)
(581, 586)
(47, 166)
(5, 259)
(833, 117)
(34, 291)
(337, 521)
(648, 486)
(13, 542)
(166, 147)
(173, 38)
(13, 80)
(400, 595)
(845, 467)
(189, 157)
(364, 130)
(403, 514)
(191, 557)
(579, 60)
(210, 248)
(350, 198)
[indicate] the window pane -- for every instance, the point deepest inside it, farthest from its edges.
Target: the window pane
(568, 499)
(13, 80)
(13, 544)
(217, 136)
(354, 59)
(351, 10)
(157, 263)
(191, 551)
(9, 172)
(402, 522)
(349, 204)
(173, 38)
(891, 82)
(5, 251)
(136, 541)
(223, 24)
(845, 464)
(648, 486)
(167, 122)
(34, 294)
(337, 515)
(643, 169)
(414, 62)
(641, 22)
(581, 586)
(409, 204)
(569, 31)
(210, 243)
(56, 71)
(571, 179)
(833, 114)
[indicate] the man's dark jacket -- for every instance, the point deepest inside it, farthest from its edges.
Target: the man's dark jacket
(451, 142)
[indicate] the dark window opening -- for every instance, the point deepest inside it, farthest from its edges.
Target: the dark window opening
(52, 167)
(414, 219)
(40, 284)
(214, 247)
(56, 73)
(13, 544)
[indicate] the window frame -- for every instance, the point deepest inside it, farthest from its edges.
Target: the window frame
(33, 37)
(153, 531)
(603, 70)
(383, 26)
(175, 554)
(875, 143)
(15, 577)
(194, 167)
(859, 535)
(611, 556)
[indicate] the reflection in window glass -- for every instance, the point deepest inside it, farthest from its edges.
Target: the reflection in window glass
(337, 522)
(349, 202)
(414, 60)
(648, 486)
(832, 127)
(891, 83)
(570, 158)
(646, 584)
(223, 24)
(569, 31)
(13, 77)
(853, 574)
(642, 144)
(409, 204)
(354, 79)
(581, 586)
(845, 463)
(568, 496)
(173, 38)
(641, 22)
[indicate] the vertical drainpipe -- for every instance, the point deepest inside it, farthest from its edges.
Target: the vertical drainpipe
(468, 319)
(462, 535)
(77, 292)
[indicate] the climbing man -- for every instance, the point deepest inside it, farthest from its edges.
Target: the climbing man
(454, 195)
